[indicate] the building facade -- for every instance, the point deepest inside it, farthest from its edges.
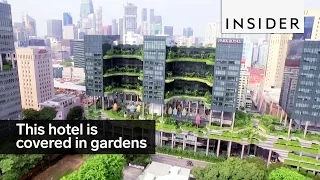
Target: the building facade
(30, 24)
(154, 69)
(93, 54)
(115, 27)
(212, 32)
(35, 74)
(130, 18)
(168, 30)
(307, 97)
(54, 28)
(187, 32)
(78, 53)
(70, 32)
(226, 74)
(62, 103)
(277, 54)
(10, 100)
(243, 85)
(291, 72)
(263, 53)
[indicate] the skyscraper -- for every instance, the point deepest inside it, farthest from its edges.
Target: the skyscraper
(187, 32)
(168, 30)
(30, 24)
(78, 52)
(144, 15)
(276, 59)
(98, 19)
(151, 16)
(212, 32)
(157, 26)
(10, 93)
(121, 30)
(35, 74)
(290, 75)
(54, 28)
(247, 51)
(307, 96)
(114, 25)
(86, 8)
(130, 18)
(226, 76)
(67, 19)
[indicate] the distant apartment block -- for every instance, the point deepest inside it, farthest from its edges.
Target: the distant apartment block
(35, 74)
(54, 28)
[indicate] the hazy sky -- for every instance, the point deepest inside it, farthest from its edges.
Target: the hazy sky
(178, 13)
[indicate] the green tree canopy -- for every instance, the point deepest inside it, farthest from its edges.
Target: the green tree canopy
(46, 113)
(14, 166)
(102, 167)
(285, 174)
(231, 169)
(75, 113)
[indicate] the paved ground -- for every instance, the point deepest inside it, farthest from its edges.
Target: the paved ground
(65, 166)
(174, 161)
(131, 173)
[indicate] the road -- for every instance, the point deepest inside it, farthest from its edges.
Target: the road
(174, 161)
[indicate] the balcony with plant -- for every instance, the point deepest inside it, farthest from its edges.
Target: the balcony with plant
(204, 96)
(125, 51)
(6, 65)
(206, 78)
(123, 71)
(200, 55)
(126, 88)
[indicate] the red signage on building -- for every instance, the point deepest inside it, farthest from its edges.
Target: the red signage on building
(41, 51)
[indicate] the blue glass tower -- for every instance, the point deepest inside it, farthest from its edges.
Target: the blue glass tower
(67, 19)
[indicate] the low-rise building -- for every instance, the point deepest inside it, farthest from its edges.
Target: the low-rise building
(62, 103)
(162, 171)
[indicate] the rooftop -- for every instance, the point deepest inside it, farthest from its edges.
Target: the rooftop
(62, 97)
(160, 171)
(272, 94)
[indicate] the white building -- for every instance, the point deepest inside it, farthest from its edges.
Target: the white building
(243, 85)
(185, 41)
(70, 32)
(263, 54)
(160, 171)
(132, 38)
(277, 54)
(213, 31)
(98, 21)
(62, 103)
(74, 73)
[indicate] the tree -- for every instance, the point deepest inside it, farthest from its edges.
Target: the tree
(13, 166)
(102, 167)
(231, 169)
(75, 113)
(285, 174)
(46, 113)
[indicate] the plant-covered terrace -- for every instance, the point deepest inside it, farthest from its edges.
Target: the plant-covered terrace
(196, 55)
(189, 71)
(125, 51)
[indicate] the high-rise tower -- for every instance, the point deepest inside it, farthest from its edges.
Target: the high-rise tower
(130, 18)
(86, 8)
(10, 100)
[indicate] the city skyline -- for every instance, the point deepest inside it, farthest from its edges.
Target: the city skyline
(114, 10)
